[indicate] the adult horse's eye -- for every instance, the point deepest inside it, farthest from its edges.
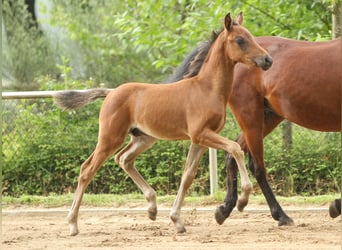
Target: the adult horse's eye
(243, 44)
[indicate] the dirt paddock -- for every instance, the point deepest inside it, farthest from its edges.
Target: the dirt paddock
(130, 228)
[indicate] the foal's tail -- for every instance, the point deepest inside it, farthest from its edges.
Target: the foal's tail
(69, 100)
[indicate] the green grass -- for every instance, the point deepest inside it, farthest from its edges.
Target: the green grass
(103, 200)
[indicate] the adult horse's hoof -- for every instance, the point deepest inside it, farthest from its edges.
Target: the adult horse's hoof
(287, 221)
(335, 208)
(220, 216)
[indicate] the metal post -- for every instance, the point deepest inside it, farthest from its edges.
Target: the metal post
(213, 170)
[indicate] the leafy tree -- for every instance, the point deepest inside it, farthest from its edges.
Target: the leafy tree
(133, 41)
(26, 53)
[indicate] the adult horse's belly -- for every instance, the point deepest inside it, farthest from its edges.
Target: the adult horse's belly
(304, 83)
(313, 113)
(308, 97)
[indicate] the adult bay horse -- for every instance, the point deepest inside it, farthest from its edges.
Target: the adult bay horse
(191, 109)
(303, 86)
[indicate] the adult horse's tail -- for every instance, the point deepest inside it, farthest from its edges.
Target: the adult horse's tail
(69, 100)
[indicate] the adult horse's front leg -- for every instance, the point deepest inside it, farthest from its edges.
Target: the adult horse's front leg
(253, 137)
(194, 156)
(335, 208)
(276, 211)
(222, 212)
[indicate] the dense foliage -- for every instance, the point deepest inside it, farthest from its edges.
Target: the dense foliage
(43, 147)
(118, 41)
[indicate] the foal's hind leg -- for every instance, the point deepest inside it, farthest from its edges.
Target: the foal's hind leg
(194, 156)
(125, 158)
(104, 149)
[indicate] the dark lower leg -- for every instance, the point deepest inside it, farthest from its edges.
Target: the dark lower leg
(276, 210)
(223, 211)
(335, 208)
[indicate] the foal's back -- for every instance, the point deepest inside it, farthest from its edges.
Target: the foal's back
(150, 107)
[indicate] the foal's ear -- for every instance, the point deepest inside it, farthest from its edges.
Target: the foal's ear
(239, 18)
(228, 22)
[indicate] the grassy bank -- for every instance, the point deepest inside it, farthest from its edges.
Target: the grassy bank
(104, 200)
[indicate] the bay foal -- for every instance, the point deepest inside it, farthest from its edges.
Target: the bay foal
(192, 109)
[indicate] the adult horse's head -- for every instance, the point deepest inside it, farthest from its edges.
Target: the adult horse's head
(241, 45)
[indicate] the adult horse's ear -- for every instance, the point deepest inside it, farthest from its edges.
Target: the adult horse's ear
(239, 18)
(228, 23)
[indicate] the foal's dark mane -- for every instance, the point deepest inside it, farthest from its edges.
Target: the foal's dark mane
(192, 64)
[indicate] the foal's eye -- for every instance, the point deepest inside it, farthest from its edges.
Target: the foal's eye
(241, 42)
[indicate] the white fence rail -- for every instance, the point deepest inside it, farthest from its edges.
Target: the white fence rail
(30, 94)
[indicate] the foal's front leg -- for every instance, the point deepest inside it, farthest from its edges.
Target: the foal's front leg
(211, 139)
(192, 161)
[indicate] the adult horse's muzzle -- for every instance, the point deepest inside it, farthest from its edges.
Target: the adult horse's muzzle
(264, 62)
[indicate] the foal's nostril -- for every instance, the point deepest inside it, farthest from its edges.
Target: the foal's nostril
(264, 61)
(269, 60)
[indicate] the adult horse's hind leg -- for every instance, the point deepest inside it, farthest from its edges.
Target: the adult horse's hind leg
(194, 156)
(104, 149)
(125, 158)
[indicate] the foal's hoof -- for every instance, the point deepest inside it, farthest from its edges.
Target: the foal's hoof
(178, 224)
(181, 230)
(333, 209)
(241, 205)
(287, 221)
(73, 230)
(152, 214)
(220, 217)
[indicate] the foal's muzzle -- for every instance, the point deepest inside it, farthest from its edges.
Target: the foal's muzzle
(264, 62)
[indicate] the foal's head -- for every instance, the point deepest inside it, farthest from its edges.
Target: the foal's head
(240, 45)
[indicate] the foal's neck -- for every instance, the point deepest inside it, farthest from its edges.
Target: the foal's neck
(217, 70)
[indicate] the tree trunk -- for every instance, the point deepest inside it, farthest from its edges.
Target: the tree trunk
(287, 136)
(336, 19)
(285, 172)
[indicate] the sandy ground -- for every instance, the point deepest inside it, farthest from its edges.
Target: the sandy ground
(129, 228)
